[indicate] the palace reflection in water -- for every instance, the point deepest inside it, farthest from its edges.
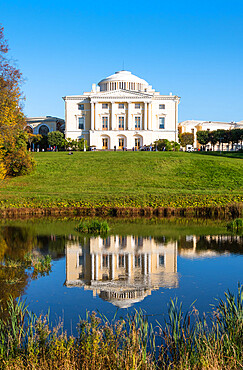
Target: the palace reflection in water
(121, 269)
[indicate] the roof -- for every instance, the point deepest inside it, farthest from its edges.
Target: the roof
(126, 76)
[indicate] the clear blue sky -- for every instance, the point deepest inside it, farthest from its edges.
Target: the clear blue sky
(191, 48)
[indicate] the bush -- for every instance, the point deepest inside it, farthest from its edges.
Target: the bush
(19, 162)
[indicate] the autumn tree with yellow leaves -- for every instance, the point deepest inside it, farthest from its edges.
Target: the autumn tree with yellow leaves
(14, 157)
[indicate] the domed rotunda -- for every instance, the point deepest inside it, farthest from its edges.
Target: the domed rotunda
(124, 80)
(121, 112)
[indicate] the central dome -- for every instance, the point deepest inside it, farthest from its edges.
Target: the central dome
(123, 80)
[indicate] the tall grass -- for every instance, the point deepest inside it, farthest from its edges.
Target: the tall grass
(93, 227)
(184, 341)
(235, 225)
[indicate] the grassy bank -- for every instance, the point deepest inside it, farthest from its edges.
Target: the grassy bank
(126, 179)
(184, 341)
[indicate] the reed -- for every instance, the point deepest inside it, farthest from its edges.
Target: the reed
(183, 341)
(93, 227)
(235, 225)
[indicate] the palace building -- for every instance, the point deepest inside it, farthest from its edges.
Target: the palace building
(122, 270)
(122, 111)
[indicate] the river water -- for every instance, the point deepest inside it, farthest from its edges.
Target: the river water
(140, 264)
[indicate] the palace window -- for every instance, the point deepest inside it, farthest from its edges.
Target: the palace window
(121, 260)
(81, 260)
(121, 143)
(122, 241)
(137, 260)
(161, 122)
(104, 106)
(105, 260)
(161, 260)
(104, 123)
(105, 143)
(81, 122)
(137, 143)
(107, 242)
(138, 240)
(137, 106)
(137, 123)
(162, 106)
(43, 130)
(81, 106)
(121, 106)
(121, 123)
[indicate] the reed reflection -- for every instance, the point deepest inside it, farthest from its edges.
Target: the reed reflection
(121, 269)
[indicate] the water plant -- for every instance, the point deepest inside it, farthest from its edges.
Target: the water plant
(183, 341)
(93, 227)
(235, 225)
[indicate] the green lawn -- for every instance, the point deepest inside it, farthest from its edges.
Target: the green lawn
(127, 178)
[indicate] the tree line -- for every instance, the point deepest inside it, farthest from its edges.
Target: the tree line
(216, 137)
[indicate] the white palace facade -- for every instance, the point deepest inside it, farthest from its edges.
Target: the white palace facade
(122, 111)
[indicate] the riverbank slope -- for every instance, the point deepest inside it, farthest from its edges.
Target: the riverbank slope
(126, 180)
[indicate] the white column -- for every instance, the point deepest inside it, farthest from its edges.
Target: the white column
(145, 116)
(145, 264)
(149, 264)
(149, 116)
(96, 126)
(92, 116)
(129, 123)
(112, 267)
(96, 267)
(113, 117)
(92, 267)
(129, 264)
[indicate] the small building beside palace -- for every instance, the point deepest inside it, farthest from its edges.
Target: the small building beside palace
(44, 125)
(122, 111)
(193, 126)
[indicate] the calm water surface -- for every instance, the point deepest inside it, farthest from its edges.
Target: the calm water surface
(139, 264)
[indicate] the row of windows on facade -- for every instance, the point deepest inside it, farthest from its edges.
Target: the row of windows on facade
(121, 260)
(121, 121)
(120, 106)
(121, 143)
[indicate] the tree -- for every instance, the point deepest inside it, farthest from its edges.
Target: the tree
(14, 158)
(213, 138)
(163, 144)
(32, 138)
(81, 143)
(186, 139)
(175, 146)
(203, 137)
(55, 138)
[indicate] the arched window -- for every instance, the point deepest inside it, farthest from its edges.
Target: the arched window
(43, 130)
(29, 130)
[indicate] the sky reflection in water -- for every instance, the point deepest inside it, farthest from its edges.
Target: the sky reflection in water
(121, 272)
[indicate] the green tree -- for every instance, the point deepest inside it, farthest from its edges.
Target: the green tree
(213, 138)
(203, 137)
(163, 144)
(55, 138)
(175, 146)
(14, 158)
(186, 139)
(81, 143)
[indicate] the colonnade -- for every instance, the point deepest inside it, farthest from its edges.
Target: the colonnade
(129, 265)
(129, 121)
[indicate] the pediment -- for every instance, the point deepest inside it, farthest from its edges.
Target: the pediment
(117, 94)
